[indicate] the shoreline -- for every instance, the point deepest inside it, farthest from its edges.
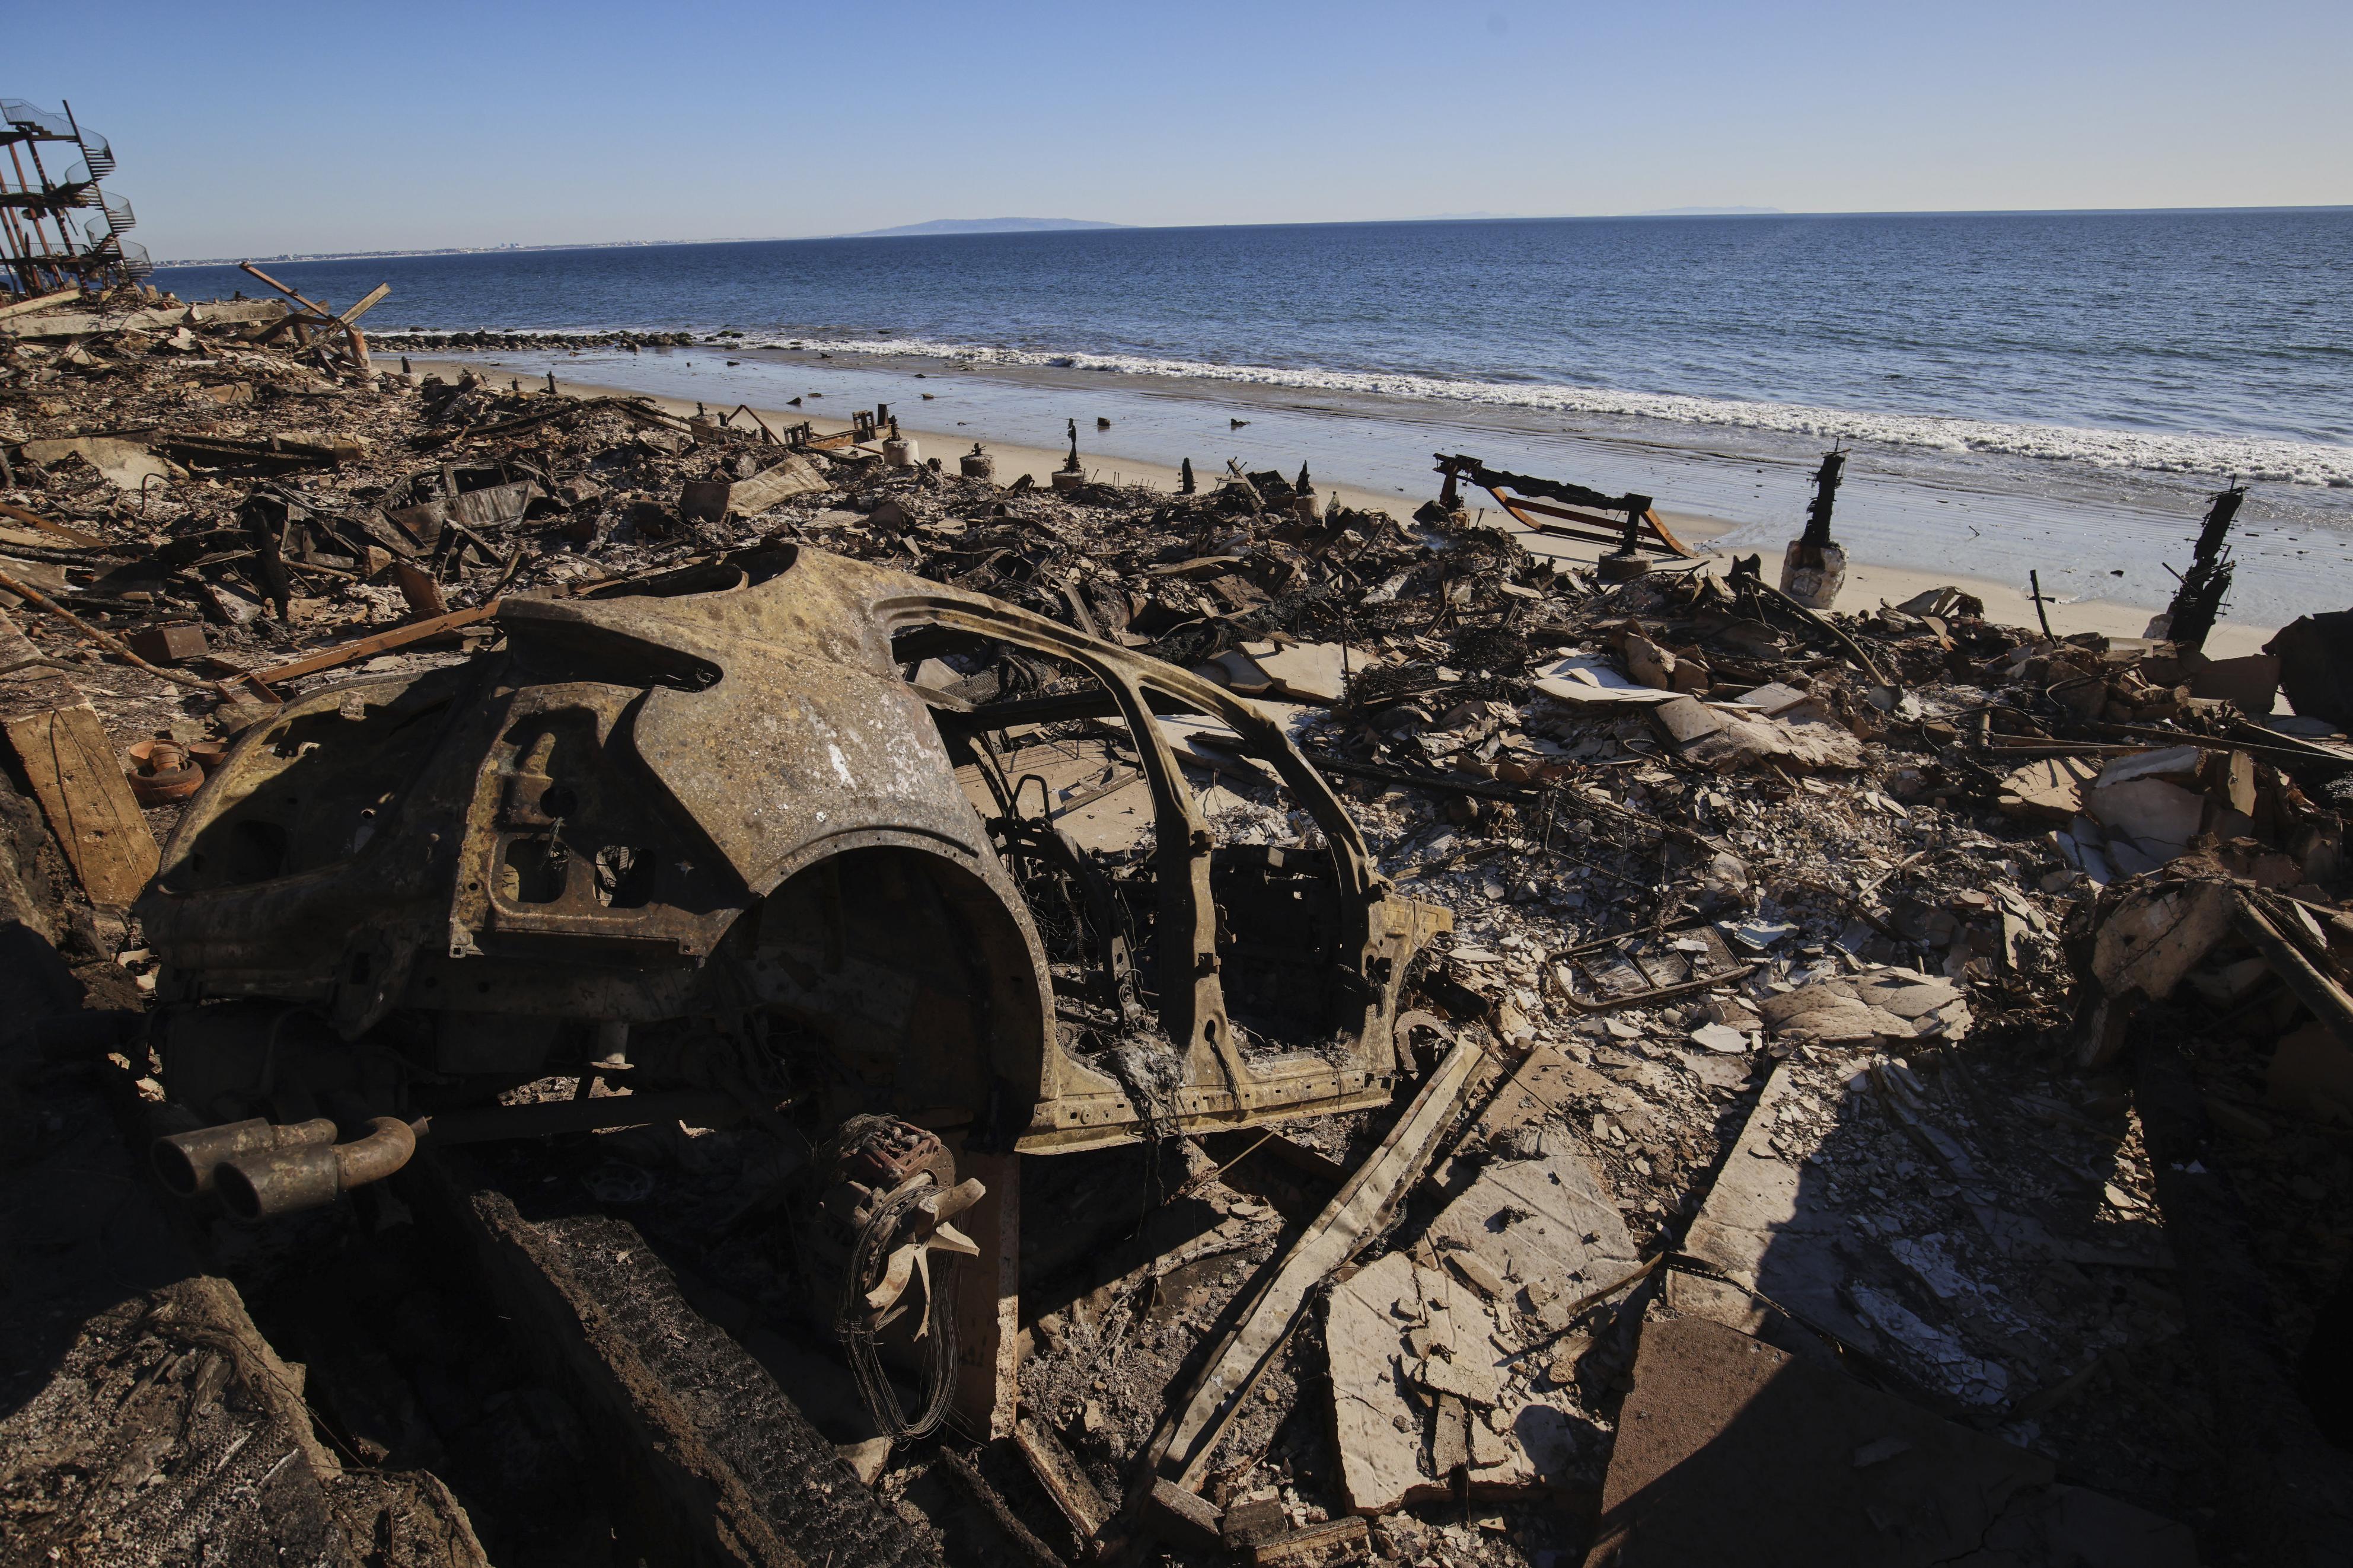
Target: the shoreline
(2308, 469)
(1871, 579)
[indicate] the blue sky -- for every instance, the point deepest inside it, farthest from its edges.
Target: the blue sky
(268, 127)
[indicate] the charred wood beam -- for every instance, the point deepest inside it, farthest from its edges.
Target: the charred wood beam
(1459, 467)
(1000, 1513)
(1181, 1451)
(713, 1459)
(2313, 987)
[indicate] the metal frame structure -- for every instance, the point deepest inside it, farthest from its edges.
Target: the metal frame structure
(51, 170)
(1570, 511)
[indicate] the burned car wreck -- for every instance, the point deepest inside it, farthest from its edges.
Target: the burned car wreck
(782, 835)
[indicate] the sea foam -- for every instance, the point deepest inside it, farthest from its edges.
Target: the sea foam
(2247, 458)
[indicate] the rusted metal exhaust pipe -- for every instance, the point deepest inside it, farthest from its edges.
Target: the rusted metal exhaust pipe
(267, 1182)
(188, 1161)
(262, 1170)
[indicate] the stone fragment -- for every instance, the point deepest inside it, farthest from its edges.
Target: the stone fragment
(2160, 818)
(1465, 1378)
(1542, 1221)
(1307, 672)
(1741, 741)
(2048, 791)
(1891, 1005)
(1480, 1273)
(1720, 1037)
(1384, 1463)
(2152, 940)
(2177, 764)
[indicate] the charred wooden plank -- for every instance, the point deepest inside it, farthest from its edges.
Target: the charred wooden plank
(723, 1465)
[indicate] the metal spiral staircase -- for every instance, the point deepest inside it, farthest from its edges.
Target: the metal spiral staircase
(98, 153)
(50, 167)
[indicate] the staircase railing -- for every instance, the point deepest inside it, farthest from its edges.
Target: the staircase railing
(35, 121)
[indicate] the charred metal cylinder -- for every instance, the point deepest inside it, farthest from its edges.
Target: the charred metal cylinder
(268, 1182)
(188, 1161)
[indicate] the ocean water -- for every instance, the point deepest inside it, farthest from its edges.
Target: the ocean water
(2196, 342)
(2056, 393)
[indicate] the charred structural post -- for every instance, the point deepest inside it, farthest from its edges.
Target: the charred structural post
(898, 452)
(1186, 484)
(1814, 568)
(2198, 603)
(1628, 561)
(1818, 510)
(1070, 475)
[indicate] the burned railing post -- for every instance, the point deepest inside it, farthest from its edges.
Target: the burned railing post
(898, 452)
(1814, 568)
(2198, 603)
(1628, 561)
(1450, 494)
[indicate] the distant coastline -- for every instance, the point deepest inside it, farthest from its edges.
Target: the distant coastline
(935, 228)
(983, 226)
(452, 250)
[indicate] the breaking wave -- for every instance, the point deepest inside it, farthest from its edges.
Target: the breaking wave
(2267, 460)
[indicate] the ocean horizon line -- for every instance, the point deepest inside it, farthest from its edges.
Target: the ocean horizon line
(517, 247)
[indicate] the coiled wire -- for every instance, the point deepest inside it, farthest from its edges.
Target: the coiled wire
(874, 1388)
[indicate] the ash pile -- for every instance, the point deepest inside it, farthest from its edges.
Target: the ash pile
(592, 984)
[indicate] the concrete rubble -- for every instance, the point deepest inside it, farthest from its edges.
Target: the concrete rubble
(1352, 1037)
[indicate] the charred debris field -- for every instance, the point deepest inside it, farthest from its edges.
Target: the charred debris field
(589, 986)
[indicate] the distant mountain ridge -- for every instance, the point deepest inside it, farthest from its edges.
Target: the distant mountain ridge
(984, 226)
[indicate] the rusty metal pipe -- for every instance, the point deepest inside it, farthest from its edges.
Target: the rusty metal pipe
(188, 1161)
(272, 1182)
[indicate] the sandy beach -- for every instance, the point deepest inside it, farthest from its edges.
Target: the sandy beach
(1870, 582)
